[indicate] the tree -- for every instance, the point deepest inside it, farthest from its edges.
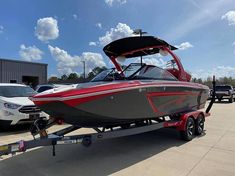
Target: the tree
(219, 81)
(64, 77)
(73, 76)
(53, 79)
(95, 72)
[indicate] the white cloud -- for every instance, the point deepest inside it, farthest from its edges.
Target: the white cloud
(1, 29)
(233, 45)
(184, 46)
(92, 43)
(207, 12)
(92, 60)
(31, 53)
(150, 60)
(154, 61)
(120, 31)
(47, 29)
(230, 17)
(219, 71)
(111, 2)
(99, 25)
(75, 16)
(67, 64)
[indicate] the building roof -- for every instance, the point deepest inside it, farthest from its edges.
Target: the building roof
(19, 61)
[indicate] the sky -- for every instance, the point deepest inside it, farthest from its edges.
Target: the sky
(65, 33)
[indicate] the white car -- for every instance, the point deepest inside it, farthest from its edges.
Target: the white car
(15, 106)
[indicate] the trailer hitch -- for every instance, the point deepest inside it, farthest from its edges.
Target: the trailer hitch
(213, 96)
(39, 127)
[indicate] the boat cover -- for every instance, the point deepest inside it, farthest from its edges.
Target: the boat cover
(135, 46)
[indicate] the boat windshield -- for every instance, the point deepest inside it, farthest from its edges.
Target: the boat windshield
(135, 71)
(131, 69)
(152, 72)
(106, 75)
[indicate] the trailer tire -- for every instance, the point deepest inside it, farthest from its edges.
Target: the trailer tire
(189, 131)
(199, 124)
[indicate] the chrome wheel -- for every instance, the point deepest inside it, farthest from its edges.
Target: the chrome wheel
(189, 131)
(200, 125)
(190, 128)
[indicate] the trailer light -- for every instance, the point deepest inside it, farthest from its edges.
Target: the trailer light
(59, 121)
(11, 105)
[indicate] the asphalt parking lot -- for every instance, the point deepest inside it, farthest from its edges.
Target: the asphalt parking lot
(155, 153)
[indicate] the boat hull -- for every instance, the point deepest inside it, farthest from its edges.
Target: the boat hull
(127, 105)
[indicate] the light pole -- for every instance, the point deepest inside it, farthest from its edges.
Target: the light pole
(139, 32)
(84, 69)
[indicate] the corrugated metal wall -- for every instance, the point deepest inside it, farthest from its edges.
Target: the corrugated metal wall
(14, 70)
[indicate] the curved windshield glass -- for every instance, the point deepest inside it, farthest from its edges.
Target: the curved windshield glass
(152, 72)
(135, 71)
(16, 91)
(106, 75)
(131, 69)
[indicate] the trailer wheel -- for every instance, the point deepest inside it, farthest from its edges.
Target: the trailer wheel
(199, 126)
(189, 131)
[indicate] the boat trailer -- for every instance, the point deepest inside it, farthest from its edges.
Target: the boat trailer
(188, 124)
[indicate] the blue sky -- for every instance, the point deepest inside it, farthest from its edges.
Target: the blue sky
(63, 33)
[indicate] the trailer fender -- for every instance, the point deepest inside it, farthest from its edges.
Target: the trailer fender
(184, 118)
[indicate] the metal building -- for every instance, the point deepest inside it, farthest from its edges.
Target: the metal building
(14, 71)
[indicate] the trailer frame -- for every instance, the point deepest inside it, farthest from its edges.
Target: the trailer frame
(59, 138)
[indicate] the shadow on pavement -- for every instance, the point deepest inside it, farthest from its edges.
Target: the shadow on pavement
(101, 158)
(16, 129)
(222, 102)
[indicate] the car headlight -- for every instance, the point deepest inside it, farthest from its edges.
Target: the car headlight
(6, 113)
(11, 105)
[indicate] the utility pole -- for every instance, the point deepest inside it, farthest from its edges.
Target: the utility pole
(84, 69)
(139, 32)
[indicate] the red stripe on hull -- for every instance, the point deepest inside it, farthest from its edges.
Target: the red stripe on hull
(100, 88)
(178, 101)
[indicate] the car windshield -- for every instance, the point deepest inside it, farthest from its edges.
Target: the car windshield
(223, 88)
(16, 91)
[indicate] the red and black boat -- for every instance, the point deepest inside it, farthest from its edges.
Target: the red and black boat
(133, 94)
